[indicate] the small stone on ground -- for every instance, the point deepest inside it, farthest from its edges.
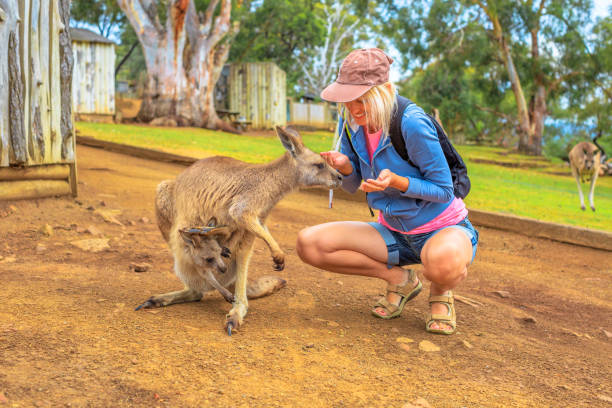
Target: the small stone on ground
(428, 346)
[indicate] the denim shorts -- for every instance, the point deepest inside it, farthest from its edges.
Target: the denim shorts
(404, 249)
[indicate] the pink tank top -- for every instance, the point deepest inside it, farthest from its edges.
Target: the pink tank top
(453, 214)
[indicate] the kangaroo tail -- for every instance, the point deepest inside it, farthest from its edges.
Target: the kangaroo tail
(164, 207)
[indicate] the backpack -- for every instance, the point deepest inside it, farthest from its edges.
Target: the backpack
(461, 181)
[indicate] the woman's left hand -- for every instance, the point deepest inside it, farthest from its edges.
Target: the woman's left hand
(385, 179)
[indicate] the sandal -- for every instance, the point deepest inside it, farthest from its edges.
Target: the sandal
(449, 319)
(406, 292)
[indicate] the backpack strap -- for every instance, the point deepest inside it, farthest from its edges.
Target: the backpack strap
(395, 129)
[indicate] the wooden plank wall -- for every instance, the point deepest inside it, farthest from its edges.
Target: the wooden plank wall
(258, 91)
(317, 115)
(35, 118)
(93, 84)
(30, 98)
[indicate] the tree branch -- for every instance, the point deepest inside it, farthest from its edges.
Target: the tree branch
(496, 113)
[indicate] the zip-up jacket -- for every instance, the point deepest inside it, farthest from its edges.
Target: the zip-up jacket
(430, 189)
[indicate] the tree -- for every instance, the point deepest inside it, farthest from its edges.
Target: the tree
(320, 64)
(279, 31)
(526, 37)
(184, 53)
(104, 14)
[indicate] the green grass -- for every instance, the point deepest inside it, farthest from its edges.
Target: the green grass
(257, 148)
(528, 192)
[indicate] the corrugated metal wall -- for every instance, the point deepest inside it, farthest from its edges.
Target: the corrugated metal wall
(93, 80)
(258, 91)
(311, 114)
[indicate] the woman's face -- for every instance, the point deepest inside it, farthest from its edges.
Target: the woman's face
(358, 110)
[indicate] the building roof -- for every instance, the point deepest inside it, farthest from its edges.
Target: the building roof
(84, 35)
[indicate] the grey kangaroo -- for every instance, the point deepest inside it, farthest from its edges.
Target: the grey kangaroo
(585, 162)
(239, 197)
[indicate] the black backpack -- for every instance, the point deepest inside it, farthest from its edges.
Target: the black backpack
(461, 181)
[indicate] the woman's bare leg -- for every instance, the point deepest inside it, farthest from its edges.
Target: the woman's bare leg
(351, 248)
(445, 258)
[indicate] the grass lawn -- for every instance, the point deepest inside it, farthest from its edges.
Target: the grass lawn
(530, 192)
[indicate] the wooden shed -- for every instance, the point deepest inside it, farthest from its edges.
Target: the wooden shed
(93, 79)
(258, 91)
(37, 154)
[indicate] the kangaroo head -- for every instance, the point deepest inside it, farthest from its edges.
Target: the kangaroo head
(312, 169)
(590, 157)
(203, 246)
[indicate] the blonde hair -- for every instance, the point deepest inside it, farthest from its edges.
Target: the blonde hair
(381, 102)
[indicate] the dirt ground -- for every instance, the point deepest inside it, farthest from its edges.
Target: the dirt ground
(69, 335)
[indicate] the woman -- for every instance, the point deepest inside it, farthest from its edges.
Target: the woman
(420, 220)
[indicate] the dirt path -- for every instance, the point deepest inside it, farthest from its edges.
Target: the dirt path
(69, 335)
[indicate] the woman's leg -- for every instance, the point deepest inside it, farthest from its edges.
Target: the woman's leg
(349, 247)
(445, 257)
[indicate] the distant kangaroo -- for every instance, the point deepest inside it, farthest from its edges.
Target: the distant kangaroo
(238, 196)
(585, 161)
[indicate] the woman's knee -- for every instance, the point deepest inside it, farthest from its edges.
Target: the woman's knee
(445, 262)
(306, 246)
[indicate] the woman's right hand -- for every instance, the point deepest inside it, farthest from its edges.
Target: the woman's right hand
(338, 161)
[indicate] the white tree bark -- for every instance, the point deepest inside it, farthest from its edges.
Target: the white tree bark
(320, 67)
(184, 58)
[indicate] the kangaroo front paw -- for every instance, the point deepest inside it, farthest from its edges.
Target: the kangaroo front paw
(279, 262)
(229, 298)
(225, 252)
(150, 304)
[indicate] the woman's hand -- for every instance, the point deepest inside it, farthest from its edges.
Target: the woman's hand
(338, 161)
(385, 179)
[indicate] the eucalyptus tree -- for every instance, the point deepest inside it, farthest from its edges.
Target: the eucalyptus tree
(534, 42)
(278, 31)
(185, 48)
(343, 28)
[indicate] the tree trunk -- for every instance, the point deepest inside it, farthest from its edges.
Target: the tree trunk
(184, 59)
(525, 129)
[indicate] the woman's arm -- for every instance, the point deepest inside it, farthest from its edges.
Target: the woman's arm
(424, 150)
(351, 181)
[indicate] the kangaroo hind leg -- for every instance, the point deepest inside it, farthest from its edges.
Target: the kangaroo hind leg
(171, 298)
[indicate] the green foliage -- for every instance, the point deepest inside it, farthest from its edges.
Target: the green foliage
(278, 31)
(452, 42)
(104, 14)
(546, 192)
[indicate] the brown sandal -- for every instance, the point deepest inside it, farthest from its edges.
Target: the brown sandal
(449, 319)
(406, 292)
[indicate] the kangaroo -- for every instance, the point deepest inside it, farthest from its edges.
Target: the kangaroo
(238, 196)
(585, 162)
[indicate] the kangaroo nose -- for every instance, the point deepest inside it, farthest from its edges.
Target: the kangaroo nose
(222, 268)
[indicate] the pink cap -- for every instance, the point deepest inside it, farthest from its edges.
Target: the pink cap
(361, 70)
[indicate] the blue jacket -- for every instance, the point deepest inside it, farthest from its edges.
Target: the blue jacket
(430, 190)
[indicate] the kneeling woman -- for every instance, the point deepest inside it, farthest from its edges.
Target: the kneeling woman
(419, 221)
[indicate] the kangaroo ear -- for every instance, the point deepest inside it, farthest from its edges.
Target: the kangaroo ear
(221, 231)
(290, 139)
(191, 236)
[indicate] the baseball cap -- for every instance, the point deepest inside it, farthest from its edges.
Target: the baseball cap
(360, 71)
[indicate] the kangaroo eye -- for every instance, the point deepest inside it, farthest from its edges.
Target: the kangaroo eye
(210, 260)
(319, 165)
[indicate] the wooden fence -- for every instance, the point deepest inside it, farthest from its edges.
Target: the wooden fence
(37, 154)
